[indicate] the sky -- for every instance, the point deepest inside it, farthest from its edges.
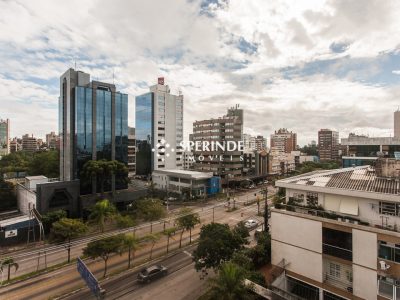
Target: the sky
(302, 65)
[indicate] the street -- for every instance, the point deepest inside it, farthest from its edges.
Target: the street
(67, 279)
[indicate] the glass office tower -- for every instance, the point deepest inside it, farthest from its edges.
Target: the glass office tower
(93, 126)
(144, 133)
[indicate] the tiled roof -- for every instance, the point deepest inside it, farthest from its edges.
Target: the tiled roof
(355, 179)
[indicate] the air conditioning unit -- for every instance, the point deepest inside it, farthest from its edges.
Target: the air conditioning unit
(384, 266)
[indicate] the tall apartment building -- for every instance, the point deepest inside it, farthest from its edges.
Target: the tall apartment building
(93, 123)
(338, 235)
(396, 116)
(159, 126)
(15, 145)
(254, 143)
(328, 145)
(29, 143)
(131, 151)
(283, 141)
(4, 137)
(51, 140)
(226, 128)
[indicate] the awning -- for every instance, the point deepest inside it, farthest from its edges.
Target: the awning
(349, 207)
(332, 202)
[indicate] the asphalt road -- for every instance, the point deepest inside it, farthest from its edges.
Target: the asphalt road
(180, 283)
(67, 279)
(49, 255)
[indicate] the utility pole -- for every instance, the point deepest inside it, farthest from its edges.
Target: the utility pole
(266, 226)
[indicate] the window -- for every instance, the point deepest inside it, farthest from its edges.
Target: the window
(334, 270)
(312, 199)
(389, 208)
(389, 251)
(349, 276)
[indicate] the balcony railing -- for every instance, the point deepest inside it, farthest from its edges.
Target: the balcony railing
(327, 214)
(337, 252)
(341, 284)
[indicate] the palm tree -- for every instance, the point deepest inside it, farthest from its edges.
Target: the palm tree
(102, 211)
(187, 221)
(9, 262)
(152, 238)
(169, 232)
(229, 284)
(132, 243)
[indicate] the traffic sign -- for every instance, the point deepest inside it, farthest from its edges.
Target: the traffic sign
(88, 277)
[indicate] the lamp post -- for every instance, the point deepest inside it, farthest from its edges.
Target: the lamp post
(266, 226)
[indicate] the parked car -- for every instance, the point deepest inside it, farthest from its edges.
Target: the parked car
(250, 224)
(153, 272)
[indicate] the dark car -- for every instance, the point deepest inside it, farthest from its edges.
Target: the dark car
(151, 273)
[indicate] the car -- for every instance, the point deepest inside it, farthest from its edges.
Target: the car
(257, 232)
(250, 224)
(153, 272)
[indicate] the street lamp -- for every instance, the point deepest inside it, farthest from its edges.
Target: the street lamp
(266, 226)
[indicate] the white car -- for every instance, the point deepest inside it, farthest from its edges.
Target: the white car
(249, 224)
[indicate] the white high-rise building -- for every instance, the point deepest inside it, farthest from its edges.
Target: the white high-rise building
(159, 129)
(397, 124)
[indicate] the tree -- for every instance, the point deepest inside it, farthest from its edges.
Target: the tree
(241, 230)
(152, 239)
(132, 243)
(104, 248)
(9, 263)
(229, 284)
(217, 243)
(102, 170)
(7, 195)
(169, 232)
(102, 212)
(125, 221)
(51, 217)
(45, 163)
(261, 253)
(187, 221)
(149, 209)
(67, 229)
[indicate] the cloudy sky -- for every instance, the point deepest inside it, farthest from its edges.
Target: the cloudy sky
(303, 65)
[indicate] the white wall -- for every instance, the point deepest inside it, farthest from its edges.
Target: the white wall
(364, 282)
(24, 198)
(298, 260)
(297, 231)
(365, 250)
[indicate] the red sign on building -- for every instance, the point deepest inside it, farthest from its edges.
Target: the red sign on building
(161, 80)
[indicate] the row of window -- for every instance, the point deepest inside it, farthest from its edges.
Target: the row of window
(389, 208)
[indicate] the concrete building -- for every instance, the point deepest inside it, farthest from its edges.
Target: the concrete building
(254, 143)
(255, 163)
(198, 184)
(188, 160)
(283, 141)
(131, 151)
(29, 143)
(396, 116)
(338, 235)
(328, 145)
(364, 146)
(281, 163)
(52, 140)
(93, 123)
(159, 126)
(4, 137)
(47, 195)
(223, 129)
(15, 145)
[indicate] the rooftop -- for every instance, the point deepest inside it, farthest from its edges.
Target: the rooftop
(185, 173)
(362, 179)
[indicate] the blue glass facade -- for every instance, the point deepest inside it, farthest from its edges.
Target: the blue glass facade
(144, 133)
(83, 132)
(103, 124)
(121, 134)
(100, 102)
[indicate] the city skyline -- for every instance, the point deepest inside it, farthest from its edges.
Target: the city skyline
(330, 63)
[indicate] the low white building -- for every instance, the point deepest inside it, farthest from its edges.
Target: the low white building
(337, 236)
(179, 181)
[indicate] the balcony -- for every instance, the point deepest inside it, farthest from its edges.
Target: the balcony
(337, 252)
(380, 223)
(338, 275)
